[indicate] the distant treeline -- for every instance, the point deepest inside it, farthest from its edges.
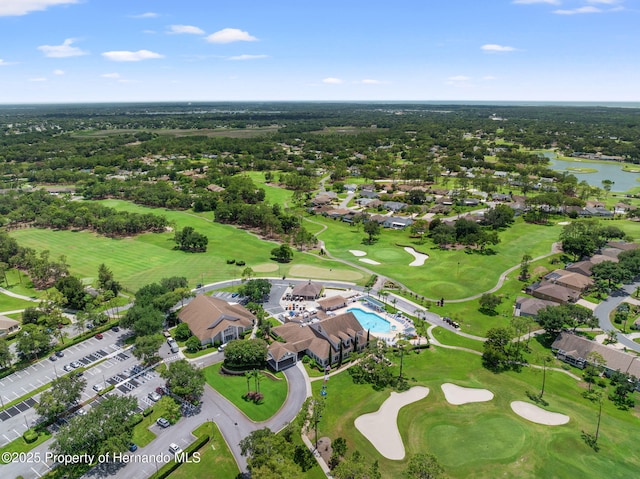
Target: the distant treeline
(45, 210)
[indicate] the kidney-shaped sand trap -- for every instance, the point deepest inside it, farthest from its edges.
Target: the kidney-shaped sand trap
(533, 413)
(458, 395)
(357, 252)
(381, 427)
(420, 258)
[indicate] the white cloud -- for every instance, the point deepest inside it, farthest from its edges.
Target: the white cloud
(529, 2)
(58, 72)
(605, 2)
(577, 11)
(38, 79)
(229, 35)
(492, 47)
(22, 7)
(332, 81)
(127, 56)
(4, 64)
(248, 57)
(62, 51)
(369, 81)
(459, 78)
(190, 29)
(489, 78)
(146, 15)
(114, 76)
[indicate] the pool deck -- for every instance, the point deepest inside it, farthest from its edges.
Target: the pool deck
(398, 323)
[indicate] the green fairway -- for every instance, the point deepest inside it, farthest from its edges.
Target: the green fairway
(235, 387)
(450, 274)
(487, 440)
(147, 258)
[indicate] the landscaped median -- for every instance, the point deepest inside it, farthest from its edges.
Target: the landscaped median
(215, 458)
(273, 388)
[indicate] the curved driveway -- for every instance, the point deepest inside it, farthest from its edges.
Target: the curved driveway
(604, 309)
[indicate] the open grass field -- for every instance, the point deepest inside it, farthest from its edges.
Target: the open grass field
(488, 440)
(449, 274)
(216, 459)
(147, 258)
(235, 387)
(9, 303)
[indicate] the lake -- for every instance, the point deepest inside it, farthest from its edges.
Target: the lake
(623, 180)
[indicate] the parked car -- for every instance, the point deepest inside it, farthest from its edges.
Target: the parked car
(154, 396)
(174, 448)
(53, 358)
(133, 447)
(75, 364)
(99, 336)
(162, 422)
(222, 346)
(160, 390)
(98, 387)
(68, 367)
(59, 354)
(115, 329)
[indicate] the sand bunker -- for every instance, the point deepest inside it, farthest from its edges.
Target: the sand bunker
(420, 258)
(381, 427)
(368, 261)
(357, 252)
(458, 395)
(533, 413)
(564, 223)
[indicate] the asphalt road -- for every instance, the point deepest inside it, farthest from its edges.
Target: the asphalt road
(604, 309)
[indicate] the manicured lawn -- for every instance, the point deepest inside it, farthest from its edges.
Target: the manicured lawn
(450, 274)
(147, 258)
(450, 338)
(9, 303)
(216, 459)
(20, 445)
(141, 433)
(235, 387)
(488, 440)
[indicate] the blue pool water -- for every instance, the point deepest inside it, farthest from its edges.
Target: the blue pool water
(371, 321)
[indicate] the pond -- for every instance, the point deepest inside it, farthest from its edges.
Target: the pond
(623, 180)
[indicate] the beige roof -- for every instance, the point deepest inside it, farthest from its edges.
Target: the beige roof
(600, 258)
(207, 316)
(623, 245)
(580, 347)
(531, 306)
(582, 267)
(556, 291)
(7, 323)
(332, 302)
(307, 289)
(570, 279)
(320, 337)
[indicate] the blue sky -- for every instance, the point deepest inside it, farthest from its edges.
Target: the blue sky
(403, 50)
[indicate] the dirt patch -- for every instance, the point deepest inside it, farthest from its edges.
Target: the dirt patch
(265, 268)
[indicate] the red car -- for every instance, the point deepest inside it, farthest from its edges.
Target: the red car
(99, 336)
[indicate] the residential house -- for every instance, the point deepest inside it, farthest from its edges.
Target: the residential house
(213, 320)
(470, 202)
(600, 258)
(553, 292)
(569, 279)
(581, 267)
(368, 194)
(500, 197)
(574, 349)
(622, 245)
(397, 222)
(8, 326)
(394, 206)
(596, 211)
(324, 341)
(530, 306)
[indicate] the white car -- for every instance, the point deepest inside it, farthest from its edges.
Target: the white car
(174, 448)
(154, 396)
(98, 387)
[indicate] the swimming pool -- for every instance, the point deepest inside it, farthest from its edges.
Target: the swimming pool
(371, 321)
